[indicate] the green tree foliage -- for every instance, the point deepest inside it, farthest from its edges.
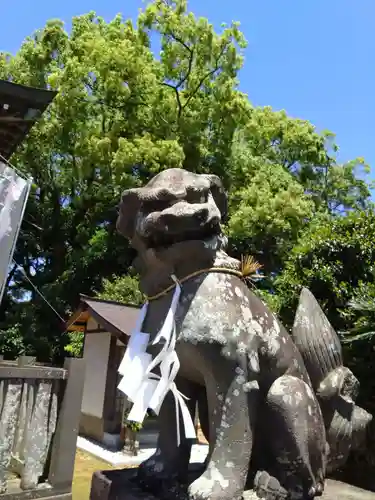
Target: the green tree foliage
(268, 212)
(362, 313)
(133, 100)
(358, 341)
(122, 289)
(120, 116)
(11, 342)
(74, 346)
(334, 256)
(284, 175)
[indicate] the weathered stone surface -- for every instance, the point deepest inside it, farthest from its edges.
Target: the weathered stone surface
(117, 485)
(316, 339)
(348, 427)
(272, 408)
(42, 425)
(334, 490)
(8, 425)
(24, 417)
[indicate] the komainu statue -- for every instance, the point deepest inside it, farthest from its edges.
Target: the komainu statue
(278, 410)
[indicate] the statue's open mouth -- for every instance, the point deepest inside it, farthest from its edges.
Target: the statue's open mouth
(160, 240)
(176, 223)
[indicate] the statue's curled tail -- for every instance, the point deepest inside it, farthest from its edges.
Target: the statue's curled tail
(347, 425)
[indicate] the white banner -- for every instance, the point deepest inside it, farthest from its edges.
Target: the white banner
(14, 192)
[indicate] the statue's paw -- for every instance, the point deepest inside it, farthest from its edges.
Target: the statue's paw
(207, 488)
(155, 472)
(154, 464)
(268, 487)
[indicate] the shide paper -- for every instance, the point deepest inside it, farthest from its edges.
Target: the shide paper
(144, 388)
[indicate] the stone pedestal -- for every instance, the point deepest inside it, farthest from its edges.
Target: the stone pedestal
(117, 485)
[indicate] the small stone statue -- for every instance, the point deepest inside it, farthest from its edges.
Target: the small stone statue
(276, 409)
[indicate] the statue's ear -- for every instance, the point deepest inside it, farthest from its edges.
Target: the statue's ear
(219, 195)
(128, 209)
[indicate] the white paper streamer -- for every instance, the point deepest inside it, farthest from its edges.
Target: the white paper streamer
(146, 389)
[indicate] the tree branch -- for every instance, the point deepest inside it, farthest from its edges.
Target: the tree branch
(179, 40)
(207, 75)
(182, 80)
(179, 104)
(188, 73)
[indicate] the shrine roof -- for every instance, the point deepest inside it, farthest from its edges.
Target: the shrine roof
(114, 317)
(20, 108)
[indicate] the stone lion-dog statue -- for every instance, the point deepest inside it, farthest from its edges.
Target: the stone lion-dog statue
(278, 410)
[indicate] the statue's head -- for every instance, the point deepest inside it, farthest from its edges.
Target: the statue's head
(174, 206)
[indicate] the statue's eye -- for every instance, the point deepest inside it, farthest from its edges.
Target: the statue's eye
(157, 206)
(196, 196)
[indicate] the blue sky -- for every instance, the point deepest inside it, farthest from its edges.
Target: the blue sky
(313, 58)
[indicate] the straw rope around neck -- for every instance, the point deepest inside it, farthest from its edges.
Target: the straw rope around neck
(248, 267)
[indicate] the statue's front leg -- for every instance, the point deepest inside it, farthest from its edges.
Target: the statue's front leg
(170, 462)
(232, 407)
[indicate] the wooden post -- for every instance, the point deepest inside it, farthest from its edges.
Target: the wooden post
(109, 412)
(65, 440)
